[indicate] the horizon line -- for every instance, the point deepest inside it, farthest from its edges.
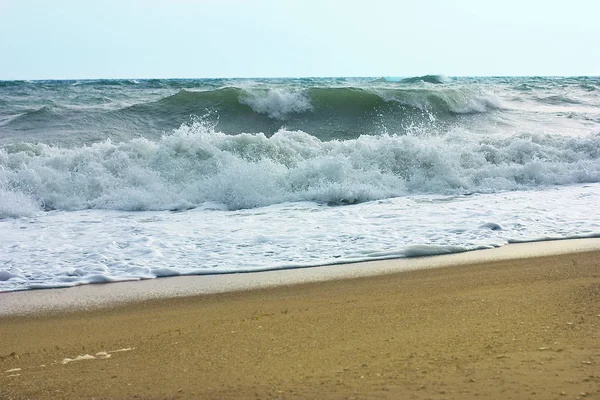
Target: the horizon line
(298, 77)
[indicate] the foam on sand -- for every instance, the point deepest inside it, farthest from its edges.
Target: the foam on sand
(63, 249)
(99, 355)
(98, 296)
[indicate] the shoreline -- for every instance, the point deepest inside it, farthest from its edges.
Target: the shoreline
(523, 327)
(107, 295)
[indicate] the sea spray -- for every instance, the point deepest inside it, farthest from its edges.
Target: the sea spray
(277, 104)
(196, 164)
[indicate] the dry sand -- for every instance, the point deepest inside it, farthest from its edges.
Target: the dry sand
(512, 329)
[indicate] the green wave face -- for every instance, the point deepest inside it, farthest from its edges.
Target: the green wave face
(76, 112)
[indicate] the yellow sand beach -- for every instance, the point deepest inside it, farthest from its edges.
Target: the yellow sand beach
(506, 329)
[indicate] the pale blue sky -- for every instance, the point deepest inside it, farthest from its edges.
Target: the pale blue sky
(234, 38)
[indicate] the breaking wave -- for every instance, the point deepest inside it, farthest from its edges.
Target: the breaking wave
(326, 112)
(196, 164)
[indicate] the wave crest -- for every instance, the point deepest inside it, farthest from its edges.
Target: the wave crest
(276, 103)
(436, 79)
(196, 164)
(324, 102)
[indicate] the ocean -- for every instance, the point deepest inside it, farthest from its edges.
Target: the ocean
(113, 180)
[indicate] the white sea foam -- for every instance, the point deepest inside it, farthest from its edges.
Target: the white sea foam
(421, 250)
(61, 249)
(196, 165)
(78, 358)
(98, 356)
(277, 103)
(121, 350)
(16, 204)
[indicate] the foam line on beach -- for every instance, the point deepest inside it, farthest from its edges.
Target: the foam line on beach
(106, 295)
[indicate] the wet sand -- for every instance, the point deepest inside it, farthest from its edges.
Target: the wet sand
(507, 329)
(96, 296)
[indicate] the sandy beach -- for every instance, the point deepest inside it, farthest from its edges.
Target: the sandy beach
(524, 328)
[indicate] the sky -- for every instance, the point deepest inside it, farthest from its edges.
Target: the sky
(78, 39)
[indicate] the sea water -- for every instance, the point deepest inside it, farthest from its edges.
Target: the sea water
(104, 181)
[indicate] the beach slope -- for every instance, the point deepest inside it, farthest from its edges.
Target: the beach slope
(520, 328)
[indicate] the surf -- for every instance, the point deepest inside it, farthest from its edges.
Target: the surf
(198, 164)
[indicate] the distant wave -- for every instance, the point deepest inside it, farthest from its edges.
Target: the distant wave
(558, 100)
(437, 79)
(40, 115)
(7, 118)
